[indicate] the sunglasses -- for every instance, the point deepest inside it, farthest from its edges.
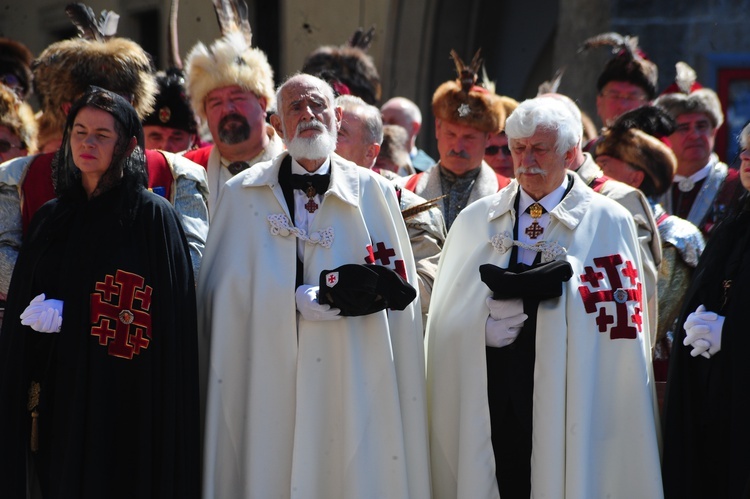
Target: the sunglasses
(493, 150)
(6, 146)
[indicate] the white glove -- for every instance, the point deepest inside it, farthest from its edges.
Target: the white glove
(307, 303)
(703, 332)
(44, 316)
(504, 323)
(503, 309)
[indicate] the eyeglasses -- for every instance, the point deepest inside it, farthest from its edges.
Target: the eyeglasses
(493, 150)
(612, 95)
(6, 146)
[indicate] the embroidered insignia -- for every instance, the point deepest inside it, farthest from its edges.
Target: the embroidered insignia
(164, 114)
(126, 317)
(383, 257)
(550, 250)
(464, 110)
(280, 226)
(383, 254)
(120, 315)
(332, 278)
(608, 290)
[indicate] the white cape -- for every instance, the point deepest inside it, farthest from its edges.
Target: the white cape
(595, 430)
(308, 409)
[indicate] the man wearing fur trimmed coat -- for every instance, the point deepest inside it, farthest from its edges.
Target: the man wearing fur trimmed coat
(465, 115)
(563, 405)
(231, 89)
(302, 401)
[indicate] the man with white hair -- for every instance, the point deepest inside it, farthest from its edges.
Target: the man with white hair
(538, 360)
(314, 389)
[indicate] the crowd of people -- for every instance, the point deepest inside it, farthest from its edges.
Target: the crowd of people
(215, 286)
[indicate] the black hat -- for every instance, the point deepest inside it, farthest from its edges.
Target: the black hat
(172, 108)
(362, 289)
(15, 66)
(541, 281)
(629, 63)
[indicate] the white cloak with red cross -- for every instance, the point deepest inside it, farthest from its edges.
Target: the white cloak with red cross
(595, 426)
(303, 409)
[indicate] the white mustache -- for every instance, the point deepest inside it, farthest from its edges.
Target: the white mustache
(533, 170)
(307, 125)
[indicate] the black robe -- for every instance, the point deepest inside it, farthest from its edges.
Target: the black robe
(707, 404)
(118, 411)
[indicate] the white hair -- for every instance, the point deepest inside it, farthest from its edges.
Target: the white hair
(547, 114)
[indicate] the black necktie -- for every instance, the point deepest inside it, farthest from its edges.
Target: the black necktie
(237, 167)
(318, 183)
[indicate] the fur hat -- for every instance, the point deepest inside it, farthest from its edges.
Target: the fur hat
(643, 152)
(463, 102)
(703, 100)
(18, 117)
(229, 61)
(172, 107)
(629, 63)
(15, 61)
(348, 68)
(66, 69)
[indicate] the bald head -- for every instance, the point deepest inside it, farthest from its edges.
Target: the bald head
(404, 113)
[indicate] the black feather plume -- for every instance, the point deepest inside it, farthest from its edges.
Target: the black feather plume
(89, 28)
(362, 39)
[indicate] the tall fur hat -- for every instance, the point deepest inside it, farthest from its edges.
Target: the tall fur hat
(231, 60)
(15, 61)
(628, 64)
(687, 95)
(643, 152)
(703, 100)
(172, 108)
(65, 69)
(18, 117)
(463, 102)
(348, 68)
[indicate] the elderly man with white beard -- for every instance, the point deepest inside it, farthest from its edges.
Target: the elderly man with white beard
(314, 389)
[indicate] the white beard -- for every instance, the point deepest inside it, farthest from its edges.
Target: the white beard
(318, 147)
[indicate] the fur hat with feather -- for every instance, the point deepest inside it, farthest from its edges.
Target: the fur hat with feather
(627, 141)
(231, 60)
(703, 100)
(348, 68)
(463, 102)
(628, 64)
(65, 69)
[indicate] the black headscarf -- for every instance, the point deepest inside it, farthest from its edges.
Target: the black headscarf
(127, 168)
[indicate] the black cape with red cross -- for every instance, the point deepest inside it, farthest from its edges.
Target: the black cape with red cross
(118, 411)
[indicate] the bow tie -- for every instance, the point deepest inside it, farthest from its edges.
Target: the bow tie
(318, 183)
(237, 166)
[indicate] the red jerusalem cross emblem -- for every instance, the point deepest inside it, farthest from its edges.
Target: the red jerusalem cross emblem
(618, 297)
(120, 315)
(383, 256)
